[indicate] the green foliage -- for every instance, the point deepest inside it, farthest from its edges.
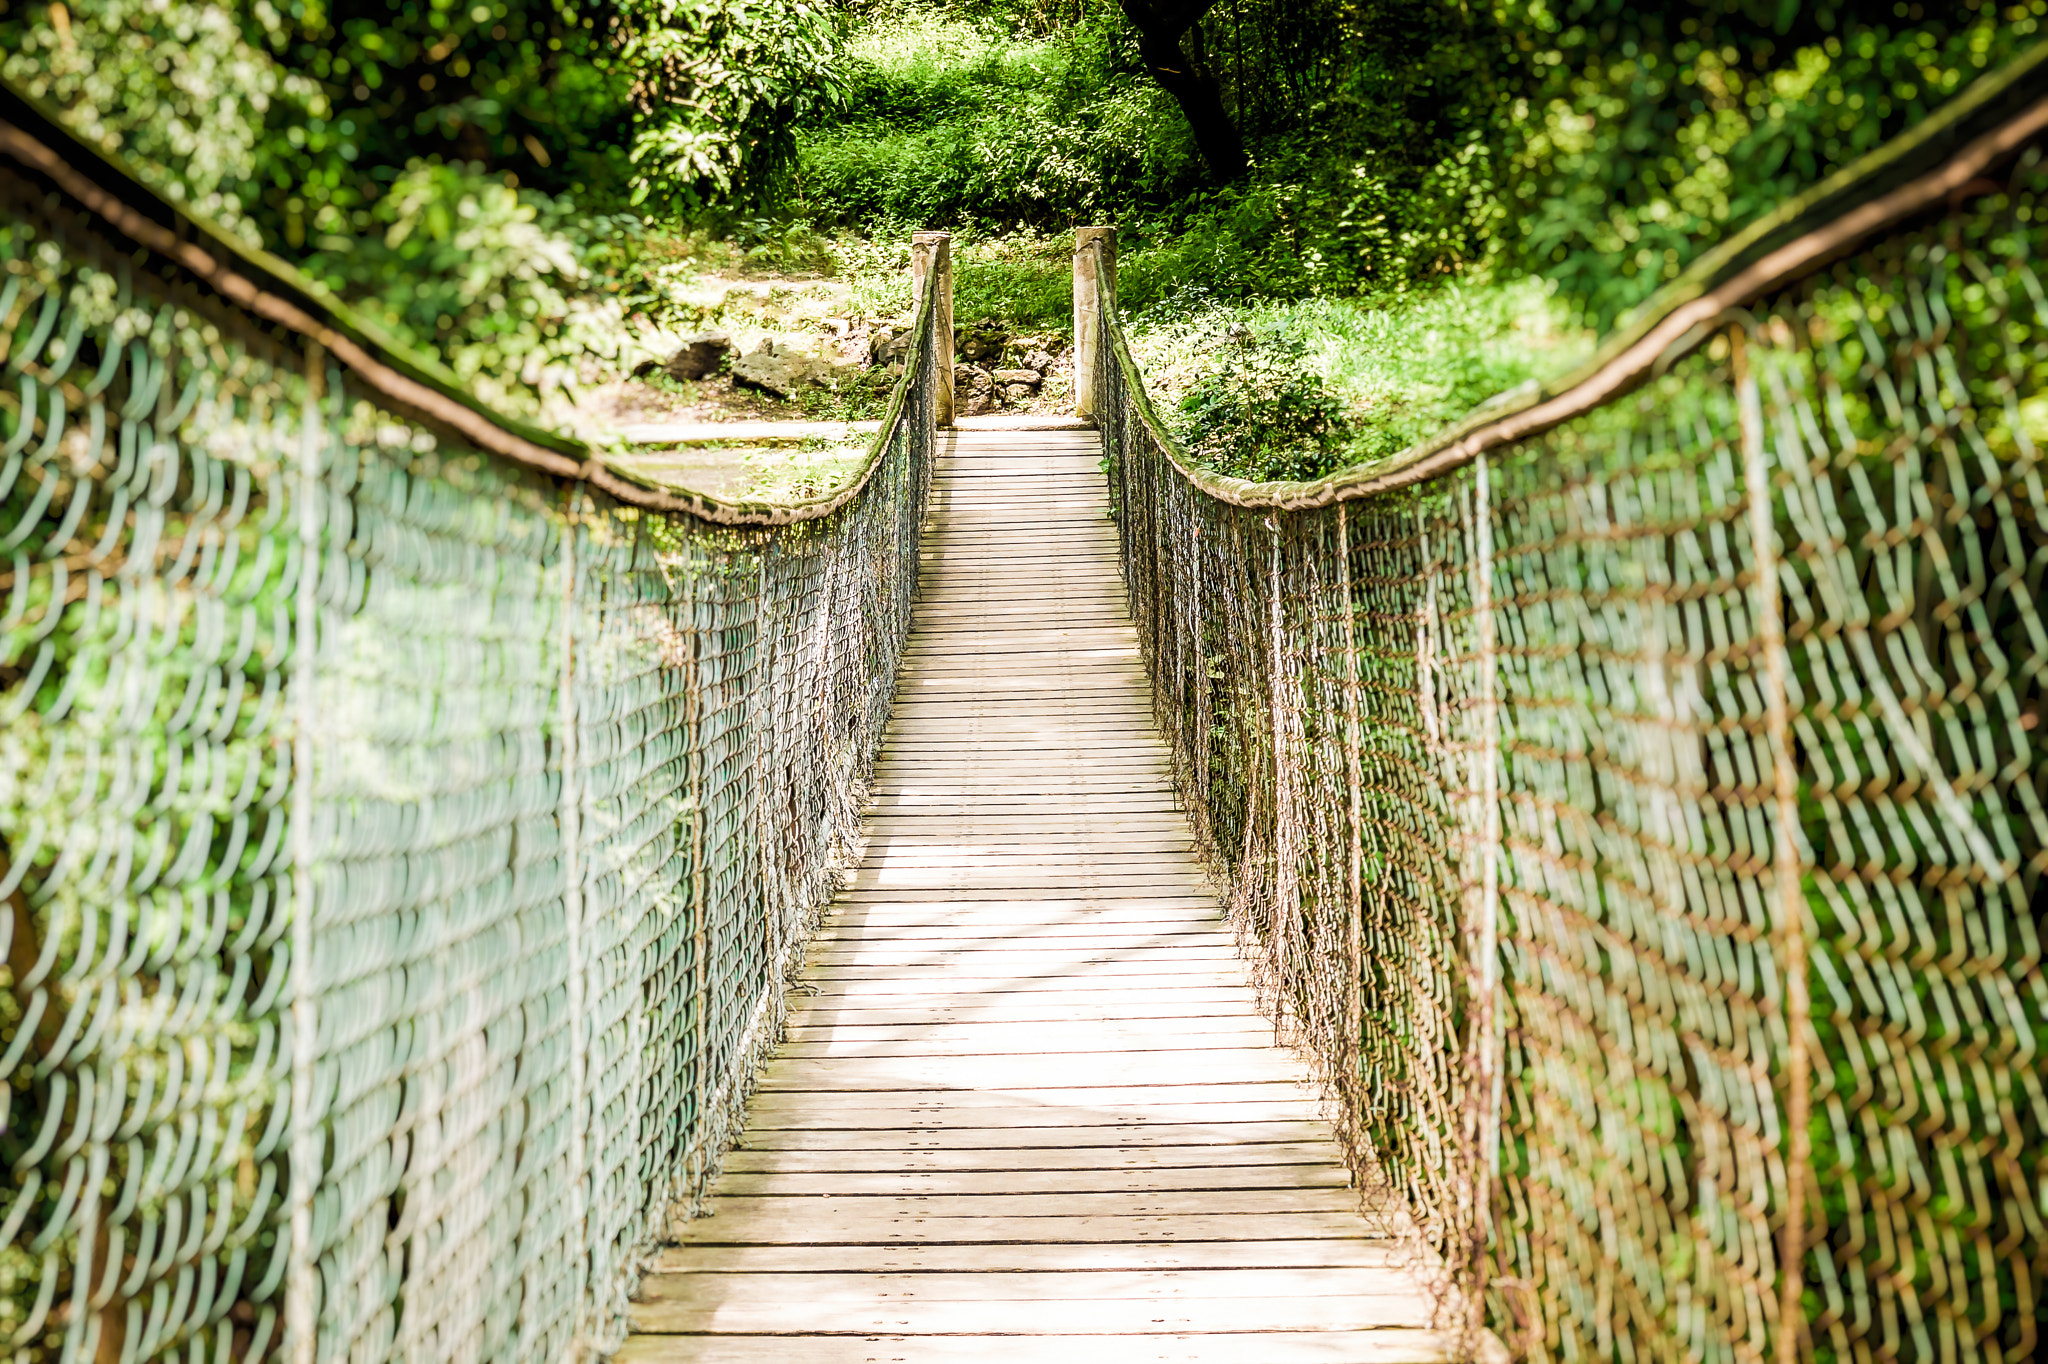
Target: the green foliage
(998, 115)
(720, 87)
(530, 91)
(1263, 414)
(180, 90)
(1632, 137)
(1023, 278)
(1401, 366)
(509, 287)
(435, 163)
(955, 119)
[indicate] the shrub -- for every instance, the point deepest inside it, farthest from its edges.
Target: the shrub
(1265, 413)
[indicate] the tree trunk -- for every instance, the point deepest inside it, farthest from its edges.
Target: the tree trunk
(1189, 80)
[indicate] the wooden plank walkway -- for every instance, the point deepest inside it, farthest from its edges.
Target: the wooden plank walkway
(1032, 1113)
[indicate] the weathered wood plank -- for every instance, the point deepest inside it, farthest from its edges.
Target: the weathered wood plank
(1028, 1286)
(1392, 1346)
(826, 1216)
(1117, 1161)
(812, 1226)
(1025, 1257)
(847, 1075)
(1032, 1183)
(1131, 1139)
(1389, 1306)
(822, 1113)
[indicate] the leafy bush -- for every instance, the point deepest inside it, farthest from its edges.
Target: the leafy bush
(1265, 414)
(720, 85)
(508, 286)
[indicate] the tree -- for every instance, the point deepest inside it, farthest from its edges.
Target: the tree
(1189, 78)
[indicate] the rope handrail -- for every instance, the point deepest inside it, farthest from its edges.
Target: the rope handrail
(408, 825)
(1629, 797)
(42, 156)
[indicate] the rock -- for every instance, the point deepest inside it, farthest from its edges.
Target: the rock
(1024, 378)
(972, 378)
(850, 351)
(888, 345)
(778, 370)
(975, 404)
(1019, 394)
(1038, 360)
(700, 356)
(982, 341)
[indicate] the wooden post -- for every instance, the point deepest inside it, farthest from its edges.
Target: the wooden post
(1094, 257)
(931, 261)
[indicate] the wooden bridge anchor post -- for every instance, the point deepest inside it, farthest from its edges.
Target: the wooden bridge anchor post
(931, 262)
(1094, 259)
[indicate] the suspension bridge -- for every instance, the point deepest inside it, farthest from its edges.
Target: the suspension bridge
(1566, 891)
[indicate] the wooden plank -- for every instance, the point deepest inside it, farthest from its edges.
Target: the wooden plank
(1092, 966)
(910, 1110)
(985, 1043)
(820, 1113)
(1396, 1304)
(967, 935)
(959, 987)
(1119, 771)
(1022, 1007)
(1120, 1160)
(1076, 807)
(1033, 1183)
(897, 934)
(811, 1227)
(993, 636)
(1011, 957)
(1028, 856)
(1058, 893)
(1037, 1256)
(1185, 880)
(1392, 1346)
(904, 839)
(1171, 1285)
(1048, 911)
(850, 1075)
(1131, 1140)
(833, 1217)
(819, 1011)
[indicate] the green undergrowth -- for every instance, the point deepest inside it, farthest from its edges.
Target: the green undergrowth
(1297, 390)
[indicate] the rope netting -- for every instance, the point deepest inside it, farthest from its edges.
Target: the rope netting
(403, 847)
(1632, 801)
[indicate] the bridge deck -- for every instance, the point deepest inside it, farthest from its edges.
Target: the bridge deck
(1031, 1113)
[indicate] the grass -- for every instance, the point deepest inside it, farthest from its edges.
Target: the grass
(1403, 366)
(1022, 279)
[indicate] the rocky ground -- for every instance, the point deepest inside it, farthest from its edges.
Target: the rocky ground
(793, 349)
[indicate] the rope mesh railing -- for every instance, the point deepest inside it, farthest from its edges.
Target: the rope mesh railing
(402, 847)
(1636, 810)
